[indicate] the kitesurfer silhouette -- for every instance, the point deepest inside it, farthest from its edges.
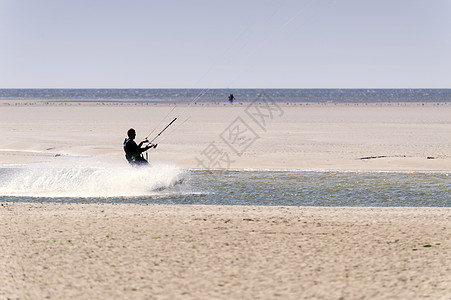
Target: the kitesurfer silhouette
(133, 151)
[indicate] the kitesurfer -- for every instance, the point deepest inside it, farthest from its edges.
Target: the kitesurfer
(133, 151)
(231, 98)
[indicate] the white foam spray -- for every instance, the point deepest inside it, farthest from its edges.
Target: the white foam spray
(78, 177)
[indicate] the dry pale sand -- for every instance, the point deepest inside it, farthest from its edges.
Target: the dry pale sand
(94, 251)
(312, 137)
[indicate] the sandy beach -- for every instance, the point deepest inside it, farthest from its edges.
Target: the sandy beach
(81, 251)
(131, 251)
(305, 137)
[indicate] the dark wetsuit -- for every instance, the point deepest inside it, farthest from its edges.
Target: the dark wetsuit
(133, 152)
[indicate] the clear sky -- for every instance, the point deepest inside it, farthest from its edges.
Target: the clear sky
(225, 44)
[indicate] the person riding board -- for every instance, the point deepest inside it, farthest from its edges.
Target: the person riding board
(133, 151)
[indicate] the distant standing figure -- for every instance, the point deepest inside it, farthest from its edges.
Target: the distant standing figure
(133, 151)
(231, 98)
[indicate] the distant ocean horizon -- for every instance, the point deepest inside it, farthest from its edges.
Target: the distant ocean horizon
(208, 96)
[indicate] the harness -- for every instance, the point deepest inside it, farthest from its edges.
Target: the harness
(130, 157)
(133, 158)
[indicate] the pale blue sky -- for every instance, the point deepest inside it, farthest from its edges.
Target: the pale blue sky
(225, 44)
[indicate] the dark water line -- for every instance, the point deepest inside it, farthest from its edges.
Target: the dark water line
(156, 96)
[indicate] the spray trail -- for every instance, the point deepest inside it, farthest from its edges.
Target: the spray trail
(81, 178)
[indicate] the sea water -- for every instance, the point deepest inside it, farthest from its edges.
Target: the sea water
(85, 182)
(206, 96)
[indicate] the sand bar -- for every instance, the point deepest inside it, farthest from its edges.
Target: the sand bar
(306, 137)
(104, 251)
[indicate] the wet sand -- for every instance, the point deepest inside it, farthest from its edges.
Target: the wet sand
(306, 137)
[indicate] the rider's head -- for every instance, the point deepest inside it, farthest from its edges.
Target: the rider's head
(131, 133)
